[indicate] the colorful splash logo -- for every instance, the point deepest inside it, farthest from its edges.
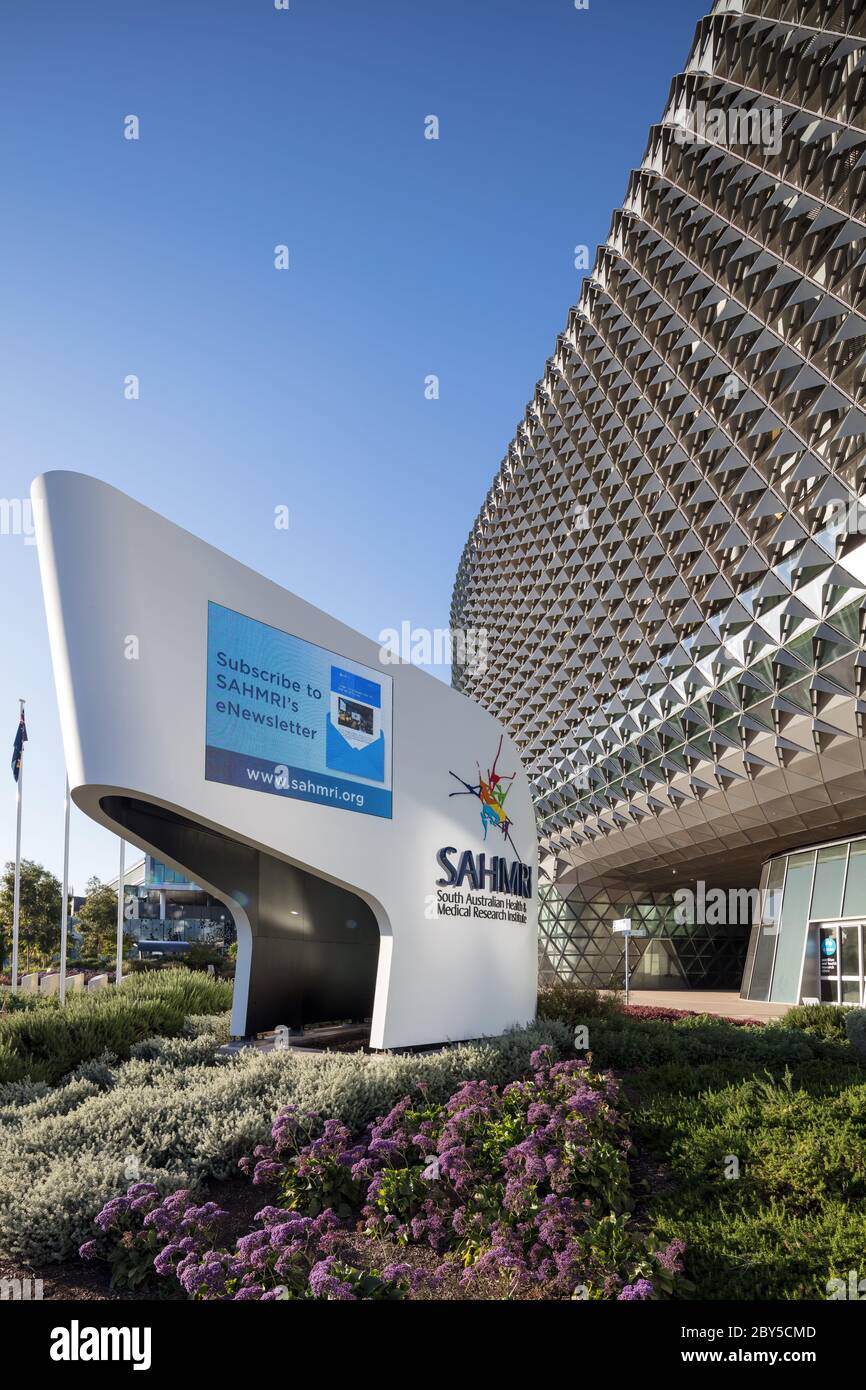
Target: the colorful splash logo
(491, 792)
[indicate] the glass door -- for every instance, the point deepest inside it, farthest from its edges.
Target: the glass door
(841, 962)
(851, 963)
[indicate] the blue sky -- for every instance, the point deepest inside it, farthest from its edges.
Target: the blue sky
(304, 388)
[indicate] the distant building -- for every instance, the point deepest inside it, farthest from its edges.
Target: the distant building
(166, 912)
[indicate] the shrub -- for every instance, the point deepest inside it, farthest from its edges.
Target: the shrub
(168, 1246)
(526, 1185)
(213, 1026)
(625, 1042)
(188, 1113)
(795, 1215)
(855, 1030)
(289, 1257)
(10, 1002)
(819, 1020)
(133, 1230)
(46, 1042)
(571, 1004)
(199, 957)
(210, 1030)
(655, 1011)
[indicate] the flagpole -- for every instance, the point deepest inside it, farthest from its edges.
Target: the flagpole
(16, 904)
(64, 919)
(118, 974)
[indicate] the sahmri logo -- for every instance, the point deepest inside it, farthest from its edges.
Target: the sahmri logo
(497, 875)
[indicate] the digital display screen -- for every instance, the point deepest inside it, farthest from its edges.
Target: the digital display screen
(290, 718)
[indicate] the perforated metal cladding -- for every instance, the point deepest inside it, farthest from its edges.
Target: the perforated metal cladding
(670, 565)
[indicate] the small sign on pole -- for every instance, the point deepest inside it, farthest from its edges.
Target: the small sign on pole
(623, 925)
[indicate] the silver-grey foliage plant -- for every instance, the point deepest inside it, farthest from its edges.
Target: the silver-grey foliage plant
(179, 1111)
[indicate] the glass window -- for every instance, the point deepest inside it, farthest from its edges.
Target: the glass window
(847, 621)
(855, 888)
(771, 896)
(850, 991)
(850, 950)
(829, 873)
(792, 928)
(767, 935)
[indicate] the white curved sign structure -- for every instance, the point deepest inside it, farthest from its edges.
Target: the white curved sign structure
(370, 828)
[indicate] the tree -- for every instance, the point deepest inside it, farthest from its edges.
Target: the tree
(39, 913)
(97, 919)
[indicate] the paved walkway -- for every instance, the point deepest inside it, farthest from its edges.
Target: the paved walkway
(707, 1001)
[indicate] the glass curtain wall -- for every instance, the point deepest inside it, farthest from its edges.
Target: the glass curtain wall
(808, 937)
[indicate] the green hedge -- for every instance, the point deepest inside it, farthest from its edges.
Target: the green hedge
(790, 1213)
(632, 1043)
(760, 1134)
(855, 1031)
(819, 1020)
(45, 1042)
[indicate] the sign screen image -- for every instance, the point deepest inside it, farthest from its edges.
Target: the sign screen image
(290, 718)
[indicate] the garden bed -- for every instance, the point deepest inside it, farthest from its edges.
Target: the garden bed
(78, 1280)
(786, 1100)
(515, 1191)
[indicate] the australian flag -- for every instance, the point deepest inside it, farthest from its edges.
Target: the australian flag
(20, 740)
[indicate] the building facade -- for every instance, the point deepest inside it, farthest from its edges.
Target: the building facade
(670, 565)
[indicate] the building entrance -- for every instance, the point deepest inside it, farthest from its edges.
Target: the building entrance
(840, 962)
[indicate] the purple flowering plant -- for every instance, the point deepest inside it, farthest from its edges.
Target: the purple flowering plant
(501, 1157)
(317, 1164)
(522, 1188)
(134, 1229)
(528, 1185)
(289, 1256)
(169, 1246)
